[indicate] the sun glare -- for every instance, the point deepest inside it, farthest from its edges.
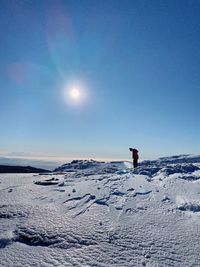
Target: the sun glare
(75, 94)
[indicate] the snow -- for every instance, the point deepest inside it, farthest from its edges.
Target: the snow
(89, 213)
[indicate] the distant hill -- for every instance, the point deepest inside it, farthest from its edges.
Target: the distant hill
(47, 164)
(20, 169)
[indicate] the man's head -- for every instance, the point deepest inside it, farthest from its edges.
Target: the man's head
(130, 149)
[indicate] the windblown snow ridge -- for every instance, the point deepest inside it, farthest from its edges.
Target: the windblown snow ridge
(36, 237)
(94, 166)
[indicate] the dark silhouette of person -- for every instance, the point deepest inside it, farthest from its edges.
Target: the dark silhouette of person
(135, 156)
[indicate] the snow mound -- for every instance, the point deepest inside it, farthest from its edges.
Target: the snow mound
(91, 166)
(185, 168)
(179, 159)
(77, 165)
(187, 164)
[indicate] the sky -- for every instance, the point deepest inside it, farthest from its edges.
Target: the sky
(89, 79)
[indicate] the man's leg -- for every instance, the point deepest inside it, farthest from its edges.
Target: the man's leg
(135, 163)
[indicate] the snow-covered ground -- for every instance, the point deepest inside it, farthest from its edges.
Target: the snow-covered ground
(90, 213)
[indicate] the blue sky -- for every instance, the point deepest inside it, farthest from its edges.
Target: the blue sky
(136, 64)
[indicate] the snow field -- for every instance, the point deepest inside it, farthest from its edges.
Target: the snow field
(89, 213)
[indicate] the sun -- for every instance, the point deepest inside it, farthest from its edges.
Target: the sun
(75, 93)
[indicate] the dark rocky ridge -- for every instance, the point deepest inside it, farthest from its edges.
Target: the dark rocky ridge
(20, 169)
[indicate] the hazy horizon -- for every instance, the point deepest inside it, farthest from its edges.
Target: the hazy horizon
(51, 162)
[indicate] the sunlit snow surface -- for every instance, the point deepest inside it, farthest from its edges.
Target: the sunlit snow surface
(89, 213)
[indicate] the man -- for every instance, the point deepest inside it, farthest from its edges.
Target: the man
(135, 156)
